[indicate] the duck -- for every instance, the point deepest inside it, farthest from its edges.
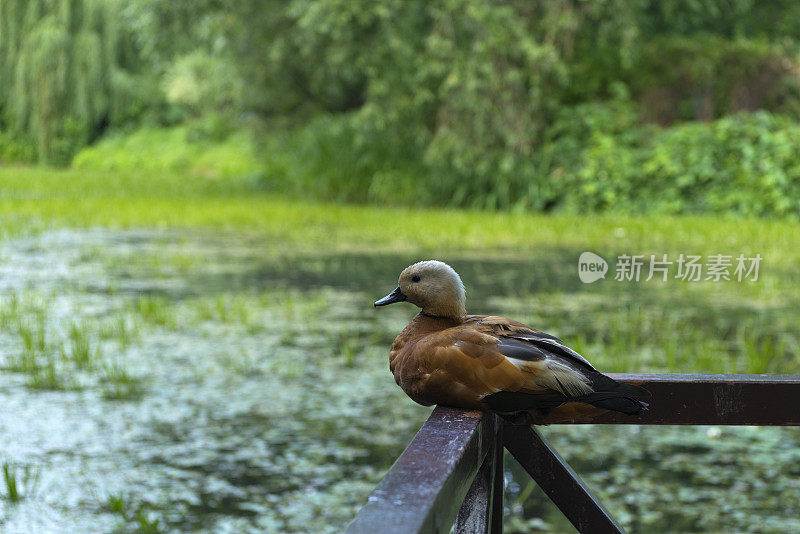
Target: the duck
(485, 362)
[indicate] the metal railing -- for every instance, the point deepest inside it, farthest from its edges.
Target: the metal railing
(451, 475)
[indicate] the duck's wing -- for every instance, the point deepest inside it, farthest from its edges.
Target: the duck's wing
(553, 374)
(533, 341)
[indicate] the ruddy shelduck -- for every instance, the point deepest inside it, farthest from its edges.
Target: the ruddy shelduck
(447, 357)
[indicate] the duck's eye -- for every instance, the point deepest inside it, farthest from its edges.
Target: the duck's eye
(415, 278)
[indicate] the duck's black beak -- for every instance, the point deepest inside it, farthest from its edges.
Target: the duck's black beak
(391, 298)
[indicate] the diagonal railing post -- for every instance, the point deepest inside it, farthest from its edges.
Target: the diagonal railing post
(564, 487)
(499, 481)
(482, 509)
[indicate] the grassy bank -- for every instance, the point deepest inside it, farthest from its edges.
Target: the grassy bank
(32, 197)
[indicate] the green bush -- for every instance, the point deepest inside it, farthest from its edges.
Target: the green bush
(518, 106)
(595, 157)
(357, 157)
(455, 119)
(744, 164)
(189, 149)
(15, 149)
(704, 76)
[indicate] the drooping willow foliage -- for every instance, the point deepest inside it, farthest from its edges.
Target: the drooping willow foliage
(57, 65)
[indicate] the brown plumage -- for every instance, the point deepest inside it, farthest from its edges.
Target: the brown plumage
(445, 356)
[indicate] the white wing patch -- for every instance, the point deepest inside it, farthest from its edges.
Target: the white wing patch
(554, 375)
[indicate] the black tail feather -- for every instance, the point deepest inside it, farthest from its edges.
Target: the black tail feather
(615, 396)
(625, 405)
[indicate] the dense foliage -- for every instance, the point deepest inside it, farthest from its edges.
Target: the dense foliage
(603, 105)
(65, 74)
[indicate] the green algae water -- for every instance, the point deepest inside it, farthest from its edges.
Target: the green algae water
(213, 381)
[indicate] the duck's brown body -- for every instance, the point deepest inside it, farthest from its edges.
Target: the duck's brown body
(493, 363)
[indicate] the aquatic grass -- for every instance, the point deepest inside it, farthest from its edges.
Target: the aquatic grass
(347, 352)
(241, 363)
(763, 353)
(580, 344)
(346, 346)
(19, 482)
(290, 368)
(752, 350)
(221, 308)
(121, 328)
(9, 310)
(50, 376)
(82, 352)
(241, 311)
(46, 377)
(156, 310)
(255, 327)
(23, 361)
(225, 308)
(37, 353)
(118, 383)
(125, 331)
(286, 338)
(204, 310)
(31, 330)
(134, 518)
(116, 503)
(10, 480)
(147, 522)
(33, 333)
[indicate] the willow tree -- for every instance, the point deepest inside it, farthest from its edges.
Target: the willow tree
(57, 63)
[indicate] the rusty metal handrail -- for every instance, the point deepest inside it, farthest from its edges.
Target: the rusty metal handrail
(424, 489)
(453, 469)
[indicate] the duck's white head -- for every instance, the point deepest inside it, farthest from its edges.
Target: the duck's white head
(433, 286)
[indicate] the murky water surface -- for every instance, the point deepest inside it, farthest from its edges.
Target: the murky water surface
(208, 382)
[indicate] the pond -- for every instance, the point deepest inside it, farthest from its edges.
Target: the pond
(213, 381)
